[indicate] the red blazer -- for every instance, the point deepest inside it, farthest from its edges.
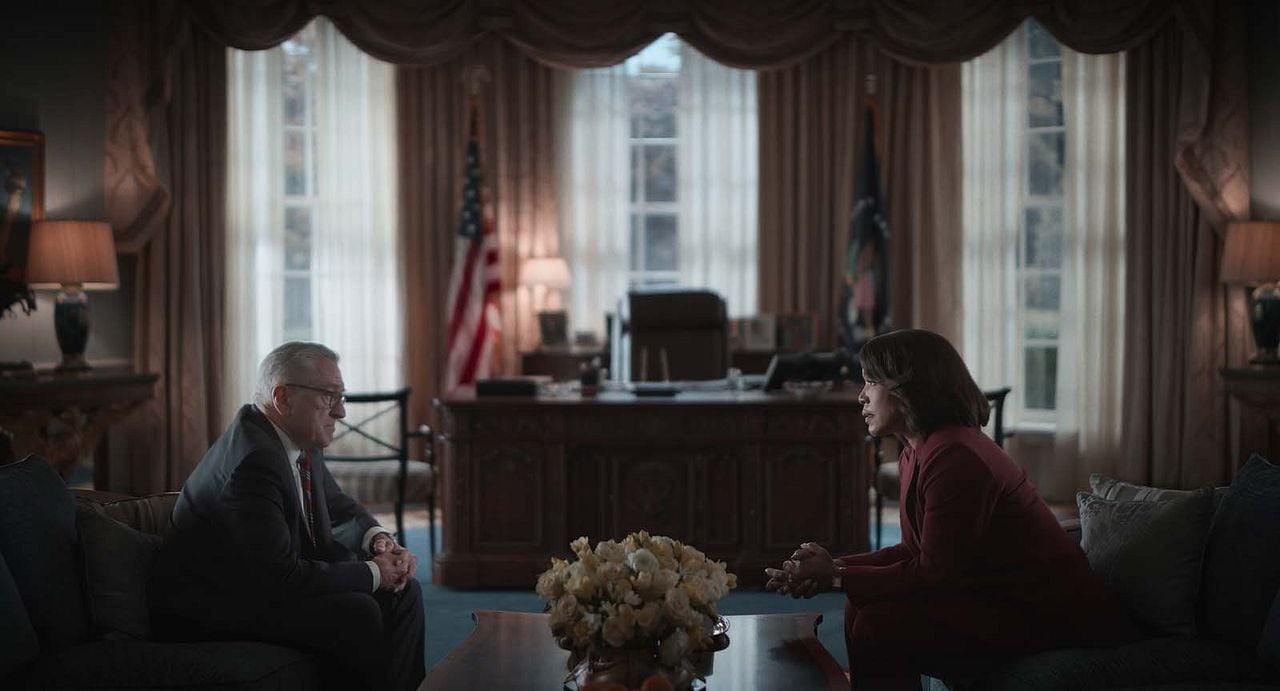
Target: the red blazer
(974, 528)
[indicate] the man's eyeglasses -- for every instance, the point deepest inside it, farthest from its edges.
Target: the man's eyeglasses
(333, 399)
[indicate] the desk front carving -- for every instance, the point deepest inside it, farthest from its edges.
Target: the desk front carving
(746, 477)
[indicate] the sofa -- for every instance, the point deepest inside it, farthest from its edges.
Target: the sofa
(1198, 573)
(73, 608)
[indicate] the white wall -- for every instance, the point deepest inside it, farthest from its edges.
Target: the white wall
(53, 63)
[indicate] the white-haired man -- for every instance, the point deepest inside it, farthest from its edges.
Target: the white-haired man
(266, 546)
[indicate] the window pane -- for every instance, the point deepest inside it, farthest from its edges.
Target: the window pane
(1044, 237)
(1041, 293)
(297, 308)
(1046, 153)
(297, 238)
(1040, 301)
(1041, 369)
(1044, 94)
(636, 258)
(635, 174)
(295, 163)
(660, 248)
(1041, 43)
(653, 106)
(660, 173)
(661, 56)
(297, 65)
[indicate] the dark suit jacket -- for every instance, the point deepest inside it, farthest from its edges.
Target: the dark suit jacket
(238, 526)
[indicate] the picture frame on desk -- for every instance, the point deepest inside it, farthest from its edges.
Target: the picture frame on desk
(795, 333)
(754, 333)
(554, 328)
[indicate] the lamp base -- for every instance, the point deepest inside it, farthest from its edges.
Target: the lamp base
(71, 322)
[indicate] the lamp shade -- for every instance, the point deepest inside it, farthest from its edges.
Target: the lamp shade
(552, 272)
(1251, 254)
(70, 252)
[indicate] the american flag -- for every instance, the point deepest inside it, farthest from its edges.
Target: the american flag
(474, 319)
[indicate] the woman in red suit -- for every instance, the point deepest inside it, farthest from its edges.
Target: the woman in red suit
(984, 572)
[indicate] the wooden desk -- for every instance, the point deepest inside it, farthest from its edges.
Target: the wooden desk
(62, 417)
(515, 650)
(1256, 390)
(746, 477)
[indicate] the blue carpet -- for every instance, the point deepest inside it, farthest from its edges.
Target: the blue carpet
(449, 609)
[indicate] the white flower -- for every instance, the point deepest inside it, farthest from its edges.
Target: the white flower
(582, 582)
(649, 618)
(674, 647)
(550, 586)
(620, 627)
(665, 579)
(642, 561)
(611, 551)
(675, 604)
(564, 610)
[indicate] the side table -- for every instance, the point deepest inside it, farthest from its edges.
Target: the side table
(1256, 391)
(63, 417)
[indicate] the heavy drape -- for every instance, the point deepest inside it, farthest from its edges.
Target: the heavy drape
(811, 116)
(1174, 409)
(171, 208)
(516, 145)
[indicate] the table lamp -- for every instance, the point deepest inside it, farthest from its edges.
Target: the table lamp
(1251, 257)
(551, 274)
(76, 256)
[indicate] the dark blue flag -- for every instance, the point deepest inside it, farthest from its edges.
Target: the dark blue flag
(864, 304)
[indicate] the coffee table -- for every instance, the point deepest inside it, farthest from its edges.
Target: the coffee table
(515, 650)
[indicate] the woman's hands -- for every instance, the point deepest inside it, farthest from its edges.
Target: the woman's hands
(808, 572)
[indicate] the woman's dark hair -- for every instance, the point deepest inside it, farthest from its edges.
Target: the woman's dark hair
(925, 374)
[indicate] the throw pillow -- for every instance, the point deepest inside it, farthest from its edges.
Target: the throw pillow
(117, 563)
(1111, 488)
(1242, 560)
(1149, 554)
(38, 541)
(18, 643)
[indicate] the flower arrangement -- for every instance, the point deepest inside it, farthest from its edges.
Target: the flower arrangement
(643, 591)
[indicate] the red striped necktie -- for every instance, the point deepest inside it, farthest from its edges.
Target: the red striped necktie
(304, 473)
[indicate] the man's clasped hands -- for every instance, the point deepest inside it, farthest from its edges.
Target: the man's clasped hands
(396, 565)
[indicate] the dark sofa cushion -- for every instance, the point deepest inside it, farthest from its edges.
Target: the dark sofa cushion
(1149, 553)
(1111, 488)
(226, 666)
(18, 642)
(117, 564)
(1153, 662)
(39, 542)
(1242, 560)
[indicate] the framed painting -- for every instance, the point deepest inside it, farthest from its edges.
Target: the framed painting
(21, 204)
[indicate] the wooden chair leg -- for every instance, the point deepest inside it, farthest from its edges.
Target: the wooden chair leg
(431, 527)
(400, 521)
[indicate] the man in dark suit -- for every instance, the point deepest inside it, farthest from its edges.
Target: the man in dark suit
(266, 546)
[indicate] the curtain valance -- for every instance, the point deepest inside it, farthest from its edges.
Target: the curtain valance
(742, 33)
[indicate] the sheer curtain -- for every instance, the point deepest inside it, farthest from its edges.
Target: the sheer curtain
(718, 159)
(353, 302)
(1090, 428)
(593, 164)
(1087, 420)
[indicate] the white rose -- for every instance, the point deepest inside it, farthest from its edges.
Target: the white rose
(564, 610)
(665, 579)
(550, 586)
(611, 551)
(676, 605)
(642, 561)
(674, 648)
(620, 627)
(582, 582)
(649, 618)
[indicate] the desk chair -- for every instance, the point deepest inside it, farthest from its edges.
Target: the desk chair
(885, 479)
(369, 456)
(677, 334)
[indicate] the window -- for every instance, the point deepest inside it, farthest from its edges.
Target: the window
(658, 162)
(1040, 235)
(311, 208)
(653, 99)
(1043, 143)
